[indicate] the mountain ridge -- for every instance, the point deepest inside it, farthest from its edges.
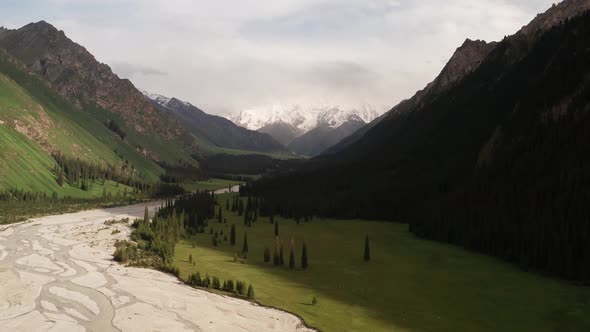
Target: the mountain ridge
(214, 130)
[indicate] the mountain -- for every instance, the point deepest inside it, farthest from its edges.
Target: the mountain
(464, 61)
(283, 132)
(303, 118)
(214, 130)
(92, 88)
(36, 122)
(491, 156)
(324, 136)
(306, 131)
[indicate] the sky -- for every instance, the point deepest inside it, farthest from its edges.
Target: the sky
(225, 56)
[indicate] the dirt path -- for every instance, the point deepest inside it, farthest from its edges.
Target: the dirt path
(57, 274)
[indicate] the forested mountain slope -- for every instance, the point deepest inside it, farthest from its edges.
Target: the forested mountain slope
(497, 162)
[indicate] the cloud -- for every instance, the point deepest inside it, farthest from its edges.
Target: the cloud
(227, 55)
(128, 70)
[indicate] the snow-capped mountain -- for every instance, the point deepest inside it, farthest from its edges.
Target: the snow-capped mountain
(303, 118)
(163, 100)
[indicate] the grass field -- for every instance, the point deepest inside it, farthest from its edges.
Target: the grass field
(211, 184)
(410, 284)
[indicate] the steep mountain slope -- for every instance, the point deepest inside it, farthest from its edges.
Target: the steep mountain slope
(324, 136)
(92, 87)
(215, 130)
(29, 132)
(53, 123)
(495, 162)
(464, 61)
(283, 132)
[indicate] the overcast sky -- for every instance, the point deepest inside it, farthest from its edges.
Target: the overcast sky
(229, 55)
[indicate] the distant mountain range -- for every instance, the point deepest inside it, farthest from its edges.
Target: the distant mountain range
(306, 130)
(214, 130)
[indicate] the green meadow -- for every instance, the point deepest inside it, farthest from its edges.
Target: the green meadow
(410, 284)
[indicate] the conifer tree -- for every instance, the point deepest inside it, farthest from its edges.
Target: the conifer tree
(281, 257)
(190, 258)
(291, 255)
(60, 177)
(250, 292)
(367, 255)
(232, 237)
(277, 228)
(240, 207)
(146, 216)
(276, 256)
(245, 245)
(266, 255)
(304, 256)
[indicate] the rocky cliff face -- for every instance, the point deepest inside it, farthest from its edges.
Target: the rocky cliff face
(80, 78)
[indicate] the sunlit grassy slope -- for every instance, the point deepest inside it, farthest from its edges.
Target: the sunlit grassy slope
(78, 133)
(24, 163)
(409, 285)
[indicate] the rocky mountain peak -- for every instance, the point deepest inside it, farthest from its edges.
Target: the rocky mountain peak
(79, 77)
(464, 61)
(555, 15)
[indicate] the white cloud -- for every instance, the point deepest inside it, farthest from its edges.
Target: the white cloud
(227, 55)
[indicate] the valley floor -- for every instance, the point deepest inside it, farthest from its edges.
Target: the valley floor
(57, 273)
(410, 284)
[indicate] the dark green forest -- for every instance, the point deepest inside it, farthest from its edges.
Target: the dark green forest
(497, 164)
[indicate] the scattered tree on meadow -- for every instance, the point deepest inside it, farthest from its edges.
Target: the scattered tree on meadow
(276, 258)
(229, 286)
(240, 287)
(232, 236)
(266, 255)
(292, 255)
(304, 256)
(245, 245)
(250, 292)
(281, 257)
(240, 207)
(367, 249)
(216, 283)
(190, 258)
